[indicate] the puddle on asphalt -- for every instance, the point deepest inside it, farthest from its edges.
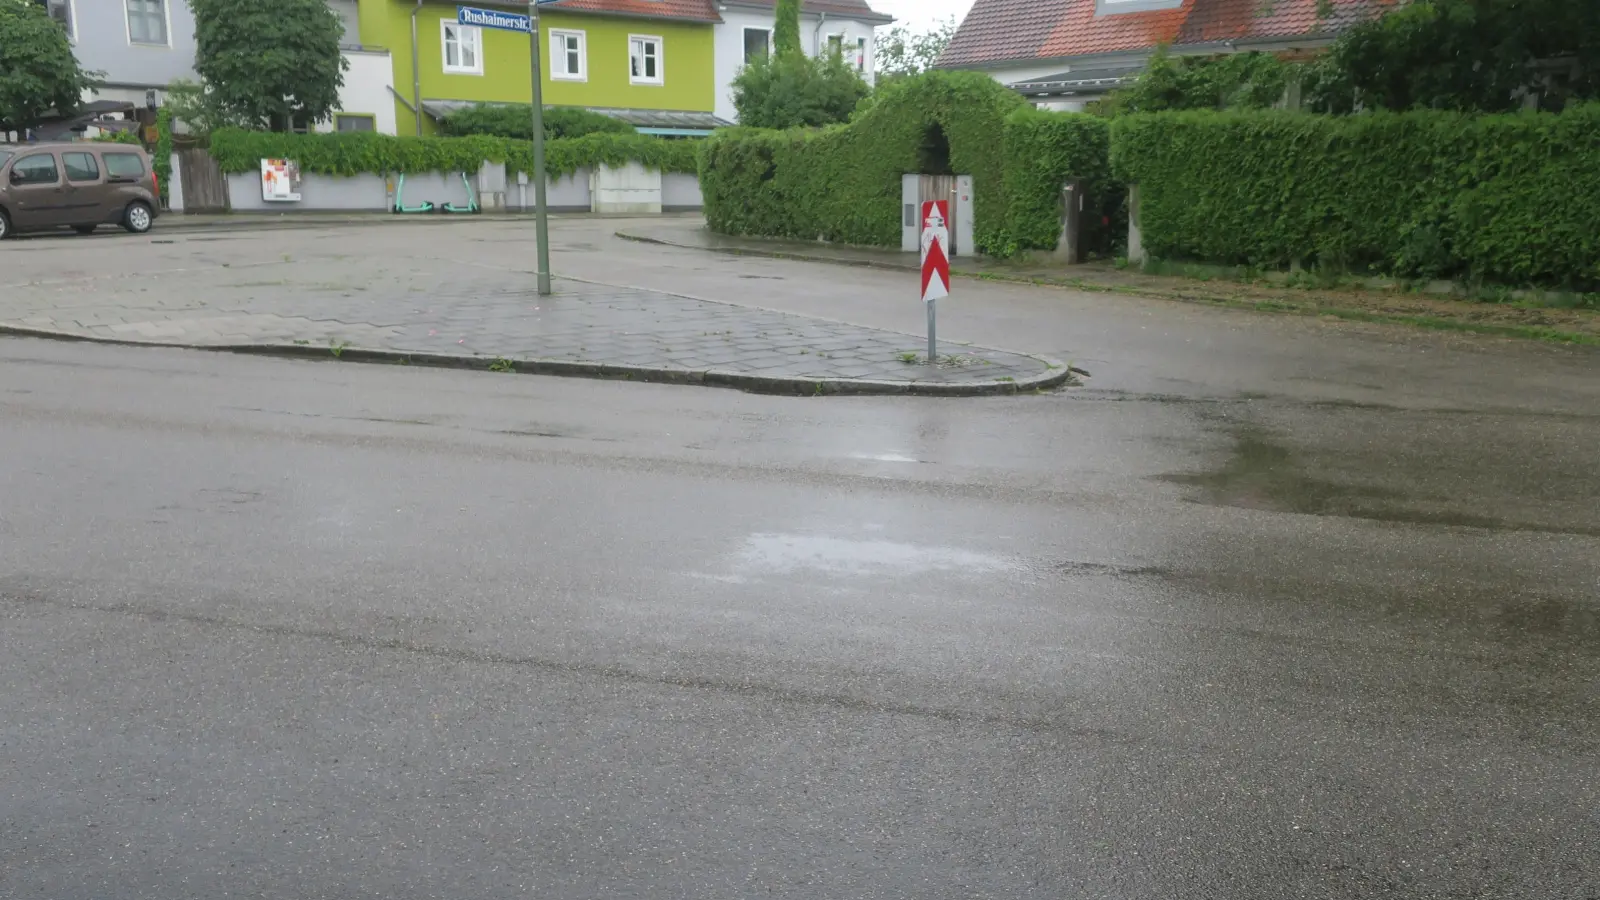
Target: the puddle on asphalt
(1547, 615)
(1089, 569)
(1263, 474)
(886, 457)
(785, 554)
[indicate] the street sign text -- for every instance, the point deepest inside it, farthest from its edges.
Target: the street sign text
(490, 18)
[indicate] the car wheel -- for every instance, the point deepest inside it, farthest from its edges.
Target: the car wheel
(5, 225)
(83, 229)
(138, 218)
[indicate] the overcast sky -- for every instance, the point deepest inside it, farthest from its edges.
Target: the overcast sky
(919, 14)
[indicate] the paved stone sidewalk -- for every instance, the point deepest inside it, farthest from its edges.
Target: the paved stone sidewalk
(479, 316)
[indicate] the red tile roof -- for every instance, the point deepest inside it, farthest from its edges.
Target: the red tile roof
(687, 10)
(1017, 30)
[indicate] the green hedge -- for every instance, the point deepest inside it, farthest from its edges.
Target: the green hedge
(352, 153)
(163, 152)
(1045, 150)
(567, 155)
(1509, 198)
(515, 120)
(843, 183)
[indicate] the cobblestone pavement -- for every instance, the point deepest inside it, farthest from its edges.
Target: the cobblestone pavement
(429, 291)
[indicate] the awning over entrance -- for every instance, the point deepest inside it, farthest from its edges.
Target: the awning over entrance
(106, 115)
(1077, 82)
(676, 121)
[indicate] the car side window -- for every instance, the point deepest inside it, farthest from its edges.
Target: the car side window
(37, 169)
(124, 165)
(80, 167)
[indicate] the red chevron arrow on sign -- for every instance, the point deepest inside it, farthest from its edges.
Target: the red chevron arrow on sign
(935, 255)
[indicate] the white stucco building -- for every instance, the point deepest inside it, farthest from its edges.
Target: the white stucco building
(366, 102)
(843, 26)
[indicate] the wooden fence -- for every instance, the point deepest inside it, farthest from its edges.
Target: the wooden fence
(204, 187)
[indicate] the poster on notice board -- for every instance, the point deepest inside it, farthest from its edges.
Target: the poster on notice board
(280, 181)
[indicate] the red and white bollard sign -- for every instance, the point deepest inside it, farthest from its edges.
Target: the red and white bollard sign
(935, 265)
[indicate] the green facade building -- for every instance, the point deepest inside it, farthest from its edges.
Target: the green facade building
(648, 62)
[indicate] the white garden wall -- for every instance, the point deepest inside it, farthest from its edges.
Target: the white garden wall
(628, 190)
(680, 192)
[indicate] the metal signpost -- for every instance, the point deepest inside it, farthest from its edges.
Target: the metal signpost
(540, 209)
(504, 21)
(935, 266)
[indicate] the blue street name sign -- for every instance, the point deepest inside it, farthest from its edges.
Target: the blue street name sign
(490, 18)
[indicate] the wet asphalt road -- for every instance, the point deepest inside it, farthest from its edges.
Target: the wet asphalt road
(320, 630)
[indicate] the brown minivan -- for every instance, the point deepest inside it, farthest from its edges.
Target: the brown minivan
(44, 186)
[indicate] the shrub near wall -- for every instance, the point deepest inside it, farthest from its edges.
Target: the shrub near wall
(515, 120)
(843, 183)
(1509, 198)
(353, 153)
(1045, 150)
(1533, 214)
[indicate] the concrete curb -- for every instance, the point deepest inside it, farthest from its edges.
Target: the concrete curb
(1056, 373)
(178, 223)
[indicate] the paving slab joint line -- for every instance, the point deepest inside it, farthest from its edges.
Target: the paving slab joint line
(1048, 363)
(799, 256)
(1033, 382)
(1056, 373)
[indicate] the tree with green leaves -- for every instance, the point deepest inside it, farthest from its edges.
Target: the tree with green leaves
(1464, 55)
(275, 65)
(902, 53)
(793, 90)
(38, 73)
(1229, 81)
(197, 107)
(1473, 55)
(786, 29)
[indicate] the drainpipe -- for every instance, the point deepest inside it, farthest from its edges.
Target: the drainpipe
(816, 36)
(416, 71)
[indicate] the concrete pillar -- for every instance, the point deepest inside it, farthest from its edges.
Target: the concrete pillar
(1069, 247)
(911, 213)
(175, 186)
(1135, 236)
(964, 213)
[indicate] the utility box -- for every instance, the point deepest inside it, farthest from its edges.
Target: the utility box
(628, 189)
(492, 186)
(955, 190)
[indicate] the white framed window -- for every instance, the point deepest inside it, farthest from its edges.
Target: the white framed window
(569, 55)
(463, 48)
(644, 59)
(757, 44)
(861, 55)
(62, 11)
(836, 45)
(147, 22)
